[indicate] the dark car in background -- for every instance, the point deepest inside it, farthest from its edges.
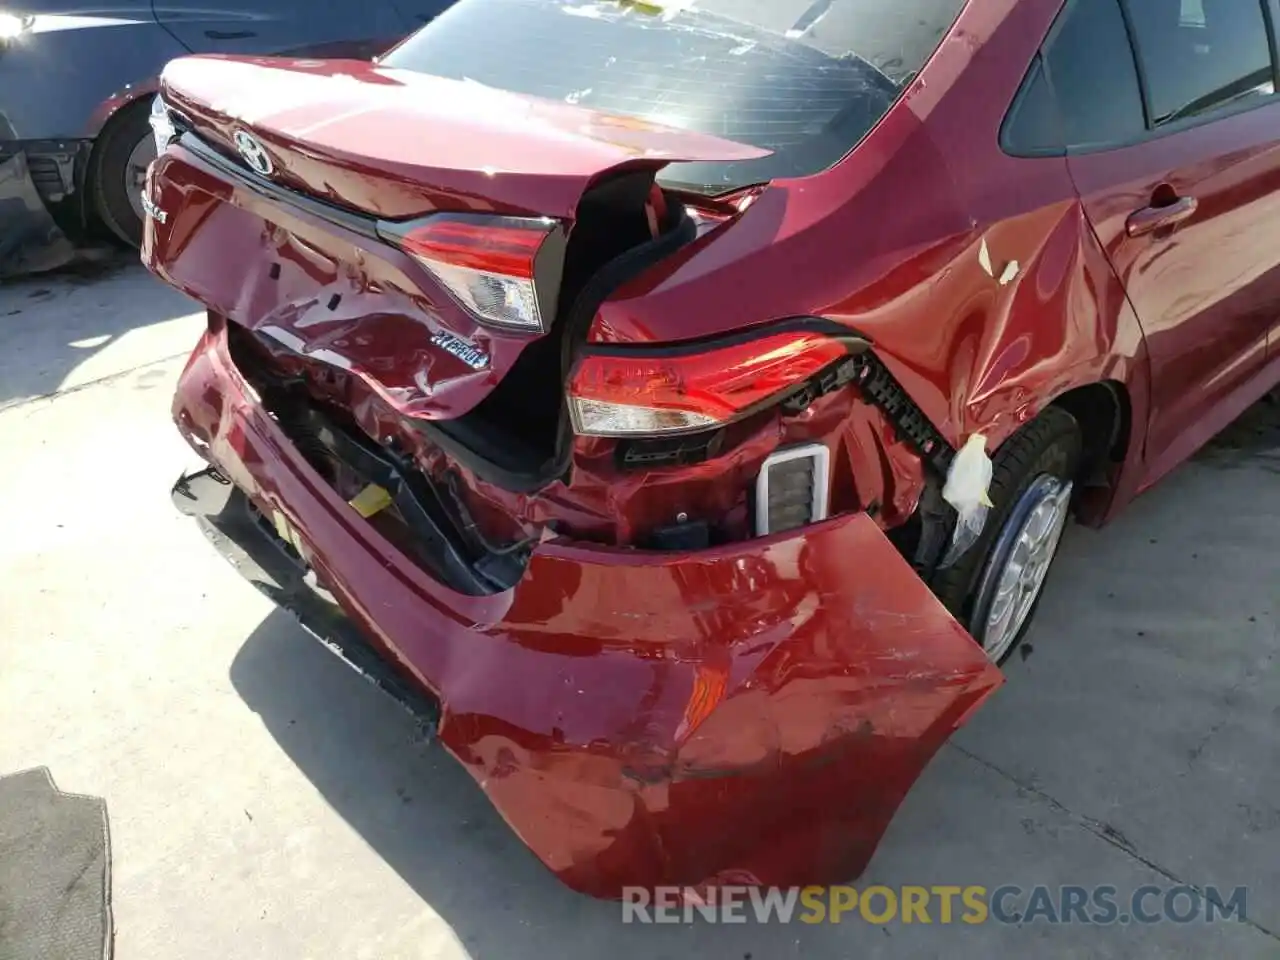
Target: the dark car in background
(76, 79)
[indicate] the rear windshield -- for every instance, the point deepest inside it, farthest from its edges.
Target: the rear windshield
(806, 79)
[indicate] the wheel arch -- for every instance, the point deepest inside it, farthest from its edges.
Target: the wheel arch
(120, 108)
(1105, 415)
(95, 203)
(1111, 414)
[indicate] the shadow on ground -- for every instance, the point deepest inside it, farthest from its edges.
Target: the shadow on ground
(421, 812)
(410, 801)
(63, 329)
(1253, 437)
(1162, 626)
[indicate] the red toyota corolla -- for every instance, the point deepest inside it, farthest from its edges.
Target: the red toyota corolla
(679, 404)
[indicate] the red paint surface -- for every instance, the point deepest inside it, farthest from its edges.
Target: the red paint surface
(756, 710)
(106, 110)
(760, 707)
(398, 144)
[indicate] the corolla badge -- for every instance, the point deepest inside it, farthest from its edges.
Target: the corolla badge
(464, 350)
(254, 153)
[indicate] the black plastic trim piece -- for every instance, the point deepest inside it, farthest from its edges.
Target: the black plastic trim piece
(356, 222)
(683, 450)
(855, 341)
(883, 391)
(226, 517)
(424, 515)
(449, 543)
(479, 453)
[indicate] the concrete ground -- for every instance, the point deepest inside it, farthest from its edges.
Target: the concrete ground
(265, 802)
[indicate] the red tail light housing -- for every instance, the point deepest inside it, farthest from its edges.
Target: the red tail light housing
(505, 271)
(622, 392)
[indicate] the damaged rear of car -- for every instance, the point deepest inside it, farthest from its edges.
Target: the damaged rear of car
(484, 402)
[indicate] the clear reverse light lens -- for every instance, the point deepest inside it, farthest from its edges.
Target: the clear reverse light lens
(486, 262)
(599, 418)
(503, 301)
(162, 127)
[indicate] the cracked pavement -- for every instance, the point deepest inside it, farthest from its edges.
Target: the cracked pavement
(264, 802)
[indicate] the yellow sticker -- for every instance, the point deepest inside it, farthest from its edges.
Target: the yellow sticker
(658, 8)
(286, 531)
(282, 526)
(371, 500)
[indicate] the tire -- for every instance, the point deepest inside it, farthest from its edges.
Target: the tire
(122, 143)
(1043, 454)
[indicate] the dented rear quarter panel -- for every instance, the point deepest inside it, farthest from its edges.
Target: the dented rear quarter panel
(975, 274)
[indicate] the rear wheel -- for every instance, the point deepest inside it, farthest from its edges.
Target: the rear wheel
(124, 151)
(995, 588)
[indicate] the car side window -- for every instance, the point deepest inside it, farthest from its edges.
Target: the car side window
(1032, 127)
(1093, 75)
(1082, 91)
(1200, 55)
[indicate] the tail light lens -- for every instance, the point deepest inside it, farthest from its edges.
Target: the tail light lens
(626, 393)
(489, 264)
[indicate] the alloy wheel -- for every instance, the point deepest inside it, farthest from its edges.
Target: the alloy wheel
(1019, 563)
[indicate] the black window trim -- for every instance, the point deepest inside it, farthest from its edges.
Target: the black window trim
(1150, 133)
(1038, 65)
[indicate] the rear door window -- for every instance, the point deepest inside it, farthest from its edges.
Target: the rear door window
(1033, 127)
(1082, 92)
(1093, 75)
(1201, 55)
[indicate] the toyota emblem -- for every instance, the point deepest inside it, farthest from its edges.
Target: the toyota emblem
(254, 153)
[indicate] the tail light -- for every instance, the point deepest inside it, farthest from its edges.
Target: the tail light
(504, 270)
(632, 392)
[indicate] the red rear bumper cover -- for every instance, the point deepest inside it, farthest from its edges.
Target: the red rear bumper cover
(752, 713)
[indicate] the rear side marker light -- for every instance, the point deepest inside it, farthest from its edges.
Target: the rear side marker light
(493, 266)
(792, 488)
(630, 392)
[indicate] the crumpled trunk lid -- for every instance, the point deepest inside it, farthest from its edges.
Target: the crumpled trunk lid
(301, 253)
(395, 143)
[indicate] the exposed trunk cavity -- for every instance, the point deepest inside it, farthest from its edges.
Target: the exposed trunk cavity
(519, 435)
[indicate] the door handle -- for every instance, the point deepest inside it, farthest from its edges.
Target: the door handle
(1151, 219)
(229, 34)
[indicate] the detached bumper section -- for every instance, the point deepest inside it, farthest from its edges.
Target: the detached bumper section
(747, 714)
